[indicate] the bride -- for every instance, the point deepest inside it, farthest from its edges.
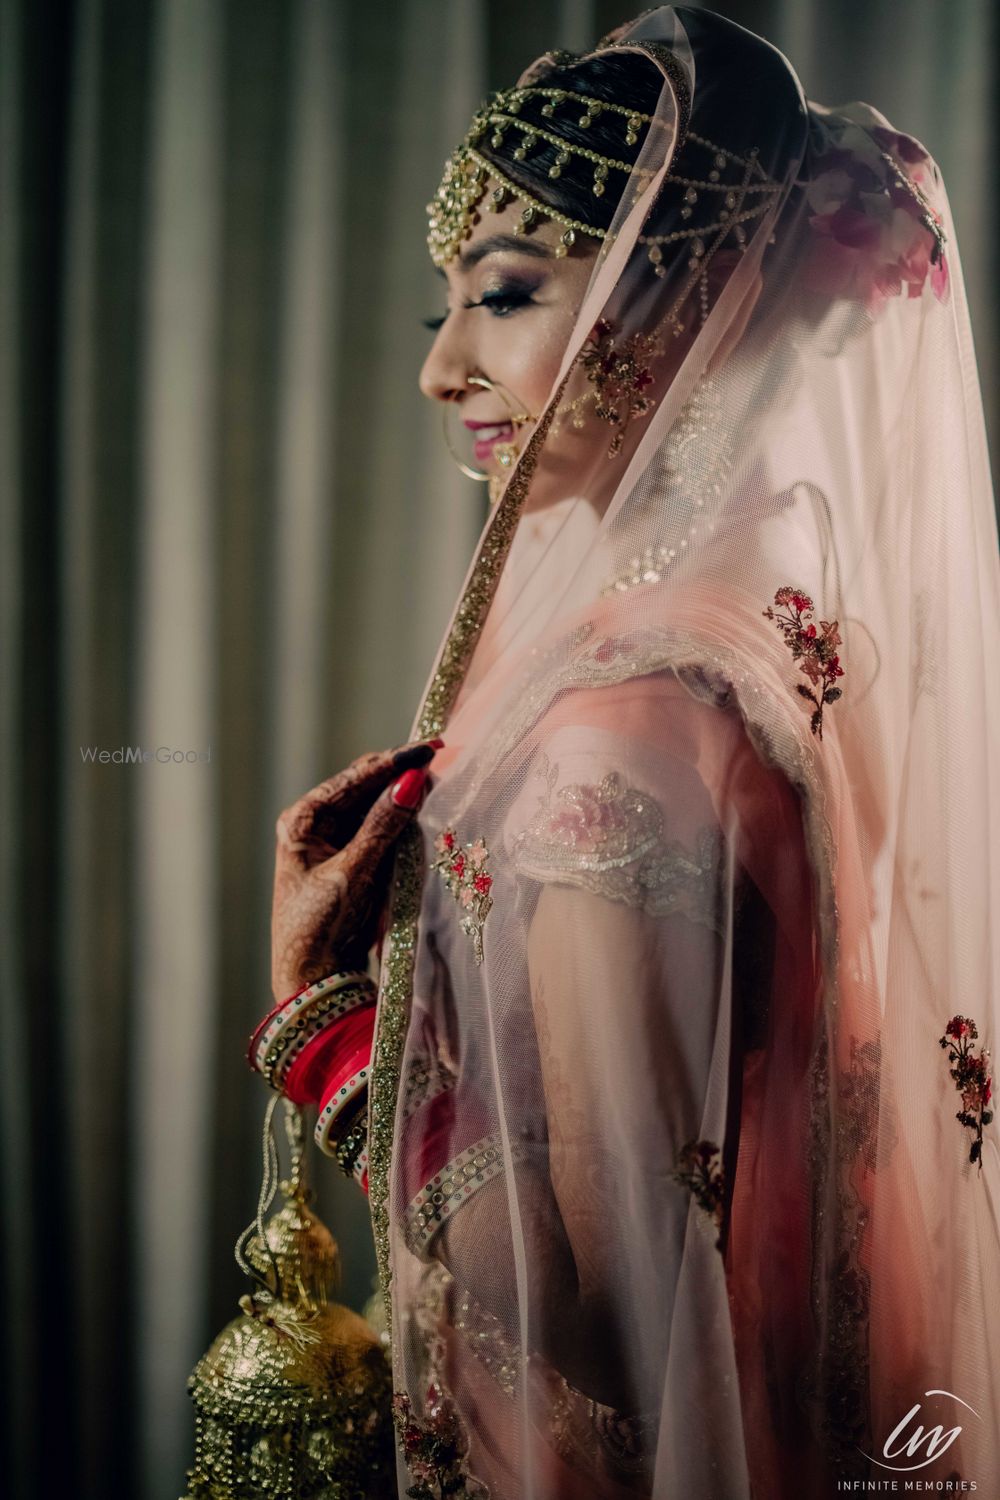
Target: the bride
(673, 1097)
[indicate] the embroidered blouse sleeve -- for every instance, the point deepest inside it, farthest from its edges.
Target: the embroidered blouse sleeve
(589, 819)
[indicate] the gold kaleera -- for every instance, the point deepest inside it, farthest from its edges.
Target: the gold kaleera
(294, 1397)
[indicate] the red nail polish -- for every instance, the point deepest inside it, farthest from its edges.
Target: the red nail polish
(438, 744)
(408, 790)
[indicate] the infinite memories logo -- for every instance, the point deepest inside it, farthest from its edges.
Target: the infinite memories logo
(910, 1447)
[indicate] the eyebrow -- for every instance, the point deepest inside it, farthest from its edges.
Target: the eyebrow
(493, 244)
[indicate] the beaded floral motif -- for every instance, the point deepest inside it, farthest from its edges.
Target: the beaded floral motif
(699, 1169)
(434, 1447)
(620, 372)
(608, 838)
(464, 873)
(972, 1079)
(815, 653)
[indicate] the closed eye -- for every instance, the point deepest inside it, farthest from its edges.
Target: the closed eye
(503, 302)
(500, 303)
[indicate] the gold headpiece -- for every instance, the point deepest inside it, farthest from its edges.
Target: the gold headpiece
(468, 174)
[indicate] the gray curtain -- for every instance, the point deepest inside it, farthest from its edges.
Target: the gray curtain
(229, 528)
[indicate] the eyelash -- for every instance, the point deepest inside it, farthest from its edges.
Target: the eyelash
(510, 299)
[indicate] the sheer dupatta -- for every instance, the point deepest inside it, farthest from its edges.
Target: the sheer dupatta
(669, 1190)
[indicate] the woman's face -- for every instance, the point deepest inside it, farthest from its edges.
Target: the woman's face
(510, 311)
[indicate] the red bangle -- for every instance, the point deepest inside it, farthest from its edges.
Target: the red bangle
(452, 1186)
(305, 1079)
(267, 1029)
(325, 1016)
(264, 1023)
(286, 1029)
(350, 1079)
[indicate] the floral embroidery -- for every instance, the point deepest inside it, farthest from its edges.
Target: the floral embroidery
(608, 839)
(699, 1168)
(620, 374)
(972, 1079)
(816, 654)
(464, 873)
(434, 1447)
(874, 229)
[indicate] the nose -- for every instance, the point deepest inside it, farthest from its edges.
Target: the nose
(445, 372)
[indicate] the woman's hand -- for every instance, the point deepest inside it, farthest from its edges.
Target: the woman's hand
(332, 864)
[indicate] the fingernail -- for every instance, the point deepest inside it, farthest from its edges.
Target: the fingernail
(413, 755)
(407, 791)
(438, 744)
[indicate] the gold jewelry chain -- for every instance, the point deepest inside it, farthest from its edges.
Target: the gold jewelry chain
(468, 173)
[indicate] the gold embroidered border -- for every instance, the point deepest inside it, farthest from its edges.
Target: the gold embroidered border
(456, 652)
(399, 950)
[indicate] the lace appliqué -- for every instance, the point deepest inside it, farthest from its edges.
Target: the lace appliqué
(464, 872)
(859, 1103)
(838, 1387)
(608, 839)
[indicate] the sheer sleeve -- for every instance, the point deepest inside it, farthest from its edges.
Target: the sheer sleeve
(624, 957)
(670, 931)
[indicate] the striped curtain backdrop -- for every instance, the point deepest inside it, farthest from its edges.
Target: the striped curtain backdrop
(229, 526)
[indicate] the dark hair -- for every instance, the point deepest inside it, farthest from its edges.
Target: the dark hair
(617, 78)
(746, 97)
